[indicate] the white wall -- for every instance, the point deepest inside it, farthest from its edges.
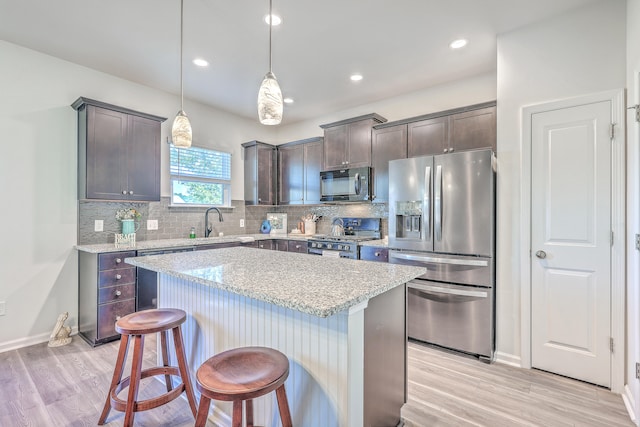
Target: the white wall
(573, 54)
(632, 391)
(38, 265)
(470, 91)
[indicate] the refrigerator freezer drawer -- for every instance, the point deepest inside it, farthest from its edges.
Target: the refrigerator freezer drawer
(452, 316)
(465, 270)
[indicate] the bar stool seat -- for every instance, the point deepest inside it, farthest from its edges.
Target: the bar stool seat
(240, 375)
(135, 326)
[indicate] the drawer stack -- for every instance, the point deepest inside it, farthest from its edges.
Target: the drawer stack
(107, 292)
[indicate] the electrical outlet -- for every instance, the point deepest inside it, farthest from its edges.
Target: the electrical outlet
(242, 222)
(3, 308)
(152, 224)
(98, 225)
(637, 365)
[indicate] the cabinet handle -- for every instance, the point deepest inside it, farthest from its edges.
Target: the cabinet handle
(124, 192)
(118, 260)
(297, 246)
(376, 253)
(118, 277)
(451, 150)
(118, 318)
(118, 293)
(131, 192)
(259, 199)
(446, 150)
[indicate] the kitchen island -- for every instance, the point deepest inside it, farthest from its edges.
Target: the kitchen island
(340, 322)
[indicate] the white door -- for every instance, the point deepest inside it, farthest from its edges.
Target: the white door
(571, 242)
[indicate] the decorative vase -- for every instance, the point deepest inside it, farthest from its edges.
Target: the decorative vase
(129, 226)
(265, 228)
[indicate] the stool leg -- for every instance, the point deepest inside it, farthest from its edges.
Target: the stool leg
(236, 420)
(248, 408)
(283, 406)
(117, 376)
(203, 411)
(134, 384)
(184, 369)
(165, 358)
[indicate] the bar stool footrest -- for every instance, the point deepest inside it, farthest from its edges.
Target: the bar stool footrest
(144, 405)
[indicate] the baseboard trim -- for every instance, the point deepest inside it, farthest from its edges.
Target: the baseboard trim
(29, 341)
(627, 398)
(507, 359)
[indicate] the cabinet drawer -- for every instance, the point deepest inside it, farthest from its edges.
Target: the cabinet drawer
(373, 253)
(116, 277)
(297, 246)
(114, 260)
(116, 293)
(109, 313)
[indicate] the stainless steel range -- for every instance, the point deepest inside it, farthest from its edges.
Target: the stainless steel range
(344, 238)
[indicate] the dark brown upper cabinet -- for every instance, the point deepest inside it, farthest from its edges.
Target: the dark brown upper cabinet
(299, 165)
(467, 128)
(347, 143)
(118, 152)
(388, 143)
(260, 173)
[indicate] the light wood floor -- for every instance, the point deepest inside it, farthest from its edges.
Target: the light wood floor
(447, 389)
(66, 386)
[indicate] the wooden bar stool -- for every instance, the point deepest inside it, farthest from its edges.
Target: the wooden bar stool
(135, 326)
(242, 374)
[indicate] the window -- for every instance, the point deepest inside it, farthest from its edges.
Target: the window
(200, 177)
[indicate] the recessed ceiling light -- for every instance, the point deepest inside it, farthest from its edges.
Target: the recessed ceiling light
(457, 44)
(200, 62)
(356, 77)
(288, 100)
(276, 20)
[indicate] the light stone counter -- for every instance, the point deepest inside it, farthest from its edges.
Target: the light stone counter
(340, 322)
(315, 285)
(380, 243)
(177, 243)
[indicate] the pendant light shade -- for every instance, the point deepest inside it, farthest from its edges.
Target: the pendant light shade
(181, 129)
(270, 105)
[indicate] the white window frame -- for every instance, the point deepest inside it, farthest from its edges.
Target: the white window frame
(226, 191)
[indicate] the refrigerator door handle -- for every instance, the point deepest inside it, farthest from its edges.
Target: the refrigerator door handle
(438, 204)
(432, 260)
(449, 291)
(426, 211)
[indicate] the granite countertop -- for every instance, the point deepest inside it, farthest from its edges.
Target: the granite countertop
(316, 285)
(176, 243)
(380, 243)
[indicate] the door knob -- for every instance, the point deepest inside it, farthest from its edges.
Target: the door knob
(541, 254)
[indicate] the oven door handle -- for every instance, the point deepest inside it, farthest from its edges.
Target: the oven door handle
(434, 290)
(438, 260)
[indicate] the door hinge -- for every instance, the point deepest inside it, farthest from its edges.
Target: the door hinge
(611, 344)
(638, 370)
(638, 242)
(637, 108)
(612, 131)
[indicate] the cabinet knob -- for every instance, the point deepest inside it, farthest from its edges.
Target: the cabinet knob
(118, 277)
(118, 260)
(124, 192)
(446, 150)
(376, 253)
(118, 318)
(118, 293)
(131, 192)
(297, 246)
(259, 199)
(451, 150)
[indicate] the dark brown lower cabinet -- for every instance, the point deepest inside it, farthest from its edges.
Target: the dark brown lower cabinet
(374, 253)
(281, 245)
(297, 246)
(106, 292)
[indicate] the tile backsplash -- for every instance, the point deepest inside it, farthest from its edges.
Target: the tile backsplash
(176, 222)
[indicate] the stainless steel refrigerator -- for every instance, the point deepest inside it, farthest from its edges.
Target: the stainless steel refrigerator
(442, 217)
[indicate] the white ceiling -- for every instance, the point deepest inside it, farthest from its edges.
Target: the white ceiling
(399, 46)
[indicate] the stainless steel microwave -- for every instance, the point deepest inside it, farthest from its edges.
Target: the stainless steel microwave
(346, 185)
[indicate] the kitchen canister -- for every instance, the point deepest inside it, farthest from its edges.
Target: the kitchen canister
(309, 227)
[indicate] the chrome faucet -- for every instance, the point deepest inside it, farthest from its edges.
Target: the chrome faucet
(207, 228)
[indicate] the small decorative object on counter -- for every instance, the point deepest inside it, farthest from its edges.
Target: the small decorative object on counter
(265, 228)
(60, 334)
(192, 233)
(309, 222)
(125, 240)
(278, 222)
(127, 217)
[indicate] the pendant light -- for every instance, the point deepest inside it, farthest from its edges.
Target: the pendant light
(181, 129)
(270, 103)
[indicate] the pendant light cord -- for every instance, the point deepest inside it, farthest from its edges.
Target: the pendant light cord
(270, 27)
(181, 37)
